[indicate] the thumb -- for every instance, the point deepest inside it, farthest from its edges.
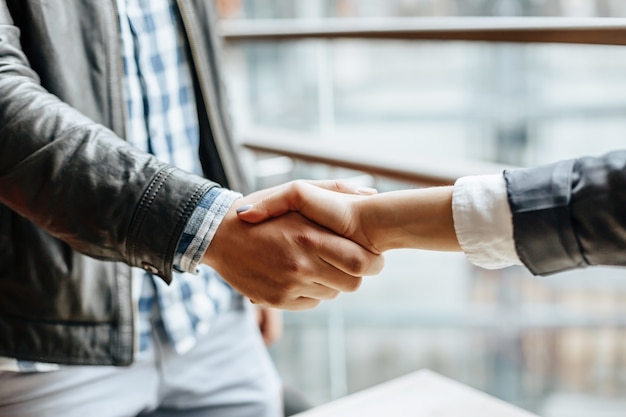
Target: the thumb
(289, 197)
(272, 206)
(310, 198)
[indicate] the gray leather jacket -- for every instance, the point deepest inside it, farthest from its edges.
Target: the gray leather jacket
(78, 205)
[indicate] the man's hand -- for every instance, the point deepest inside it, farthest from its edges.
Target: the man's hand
(288, 262)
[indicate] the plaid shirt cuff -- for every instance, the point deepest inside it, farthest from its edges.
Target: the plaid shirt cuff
(201, 228)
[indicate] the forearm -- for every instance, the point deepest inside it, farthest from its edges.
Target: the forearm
(420, 218)
(77, 180)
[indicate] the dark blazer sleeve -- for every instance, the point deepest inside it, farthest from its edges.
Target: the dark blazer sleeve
(570, 214)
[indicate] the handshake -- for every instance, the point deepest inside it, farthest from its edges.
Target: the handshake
(296, 244)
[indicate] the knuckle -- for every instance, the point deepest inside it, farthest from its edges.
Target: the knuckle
(276, 299)
(357, 264)
(339, 185)
(332, 295)
(354, 284)
(289, 287)
(293, 267)
(264, 202)
(297, 184)
(380, 264)
(307, 304)
(304, 240)
(297, 190)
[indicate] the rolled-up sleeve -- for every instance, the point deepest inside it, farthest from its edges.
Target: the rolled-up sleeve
(482, 221)
(201, 228)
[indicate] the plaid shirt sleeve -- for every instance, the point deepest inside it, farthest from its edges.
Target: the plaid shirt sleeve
(201, 228)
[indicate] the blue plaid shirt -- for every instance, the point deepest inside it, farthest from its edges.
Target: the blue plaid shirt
(162, 119)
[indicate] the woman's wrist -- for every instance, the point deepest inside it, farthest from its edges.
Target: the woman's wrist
(419, 218)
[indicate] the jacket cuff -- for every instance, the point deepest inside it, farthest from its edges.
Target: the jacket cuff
(158, 224)
(542, 223)
(201, 227)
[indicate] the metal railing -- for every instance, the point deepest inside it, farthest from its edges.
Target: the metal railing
(414, 169)
(604, 31)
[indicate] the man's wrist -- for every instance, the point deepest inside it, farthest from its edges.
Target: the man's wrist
(201, 228)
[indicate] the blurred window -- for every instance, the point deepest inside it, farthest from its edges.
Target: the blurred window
(555, 346)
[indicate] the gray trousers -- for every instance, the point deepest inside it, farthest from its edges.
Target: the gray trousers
(227, 374)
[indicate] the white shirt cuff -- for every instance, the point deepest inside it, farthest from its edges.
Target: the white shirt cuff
(483, 221)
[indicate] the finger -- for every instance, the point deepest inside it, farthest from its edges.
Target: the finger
(349, 258)
(309, 285)
(318, 289)
(344, 187)
(342, 262)
(290, 196)
(339, 186)
(274, 205)
(302, 303)
(316, 203)
(295, 303)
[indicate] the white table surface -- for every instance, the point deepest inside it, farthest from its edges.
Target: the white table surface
(419, 394)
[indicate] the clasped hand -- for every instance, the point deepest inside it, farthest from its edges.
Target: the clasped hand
(289, 261)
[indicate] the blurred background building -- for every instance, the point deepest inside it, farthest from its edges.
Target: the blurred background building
(553, 345)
